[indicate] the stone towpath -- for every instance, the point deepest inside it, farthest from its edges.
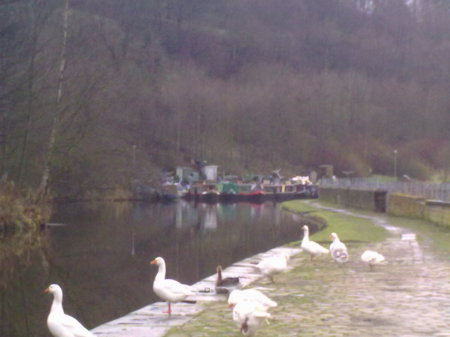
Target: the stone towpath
(407, 297)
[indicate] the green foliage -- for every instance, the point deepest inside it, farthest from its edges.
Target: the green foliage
(382, 178)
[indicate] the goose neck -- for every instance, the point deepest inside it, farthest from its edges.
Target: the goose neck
(57, 302)
(161, 275)
(306, 235)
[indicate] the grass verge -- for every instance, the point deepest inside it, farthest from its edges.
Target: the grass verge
(348, 227)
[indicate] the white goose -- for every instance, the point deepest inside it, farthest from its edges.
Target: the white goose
(248, 316)
(338, 249)
(311, 247)
(250, 295)
(273, 265)
(59, 324)
(169, 290)
(372, 258)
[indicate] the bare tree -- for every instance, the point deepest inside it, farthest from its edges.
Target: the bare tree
(43, 189)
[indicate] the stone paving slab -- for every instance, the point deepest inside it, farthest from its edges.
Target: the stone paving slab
(152, 321)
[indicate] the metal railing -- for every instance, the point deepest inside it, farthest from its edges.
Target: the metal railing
(421, 189)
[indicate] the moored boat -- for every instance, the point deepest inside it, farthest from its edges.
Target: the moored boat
(171, 192)
(251, 192)
(210, 195)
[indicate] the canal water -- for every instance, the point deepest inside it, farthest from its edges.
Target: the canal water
(100, 253)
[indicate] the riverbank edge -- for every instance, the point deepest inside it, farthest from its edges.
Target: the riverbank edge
(151, 321)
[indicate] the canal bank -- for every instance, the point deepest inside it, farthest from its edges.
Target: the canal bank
(324, 299)
(152, 320)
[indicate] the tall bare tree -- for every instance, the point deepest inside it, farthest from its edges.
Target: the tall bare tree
(43, 189)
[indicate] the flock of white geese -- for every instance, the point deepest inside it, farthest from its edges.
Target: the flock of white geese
(250, 307)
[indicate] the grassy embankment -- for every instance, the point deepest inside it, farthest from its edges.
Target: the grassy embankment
(349, 228)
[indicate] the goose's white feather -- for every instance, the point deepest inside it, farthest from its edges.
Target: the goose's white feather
(60, 324)
(338, 249)
(169, 290)
(250, 295)
(248, 316)
(273, 265)
(372, 258)
(311, 247)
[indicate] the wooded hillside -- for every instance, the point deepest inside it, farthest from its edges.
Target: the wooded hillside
(98, 92)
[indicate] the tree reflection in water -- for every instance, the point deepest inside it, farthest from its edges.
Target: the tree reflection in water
(101, 257)
(21, 253)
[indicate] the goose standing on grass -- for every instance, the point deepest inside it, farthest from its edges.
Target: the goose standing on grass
(338, 249)
(311, 247)
(372, 258)
(169, 290)
(225, 284)
(59, 324)
(273, 265)
(250, 295)
(248, 316)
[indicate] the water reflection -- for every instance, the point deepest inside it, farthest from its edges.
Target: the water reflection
(20, 291)
(101, 256)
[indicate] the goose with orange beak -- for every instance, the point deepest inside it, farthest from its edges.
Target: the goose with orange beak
(169, 290)
(59, 324)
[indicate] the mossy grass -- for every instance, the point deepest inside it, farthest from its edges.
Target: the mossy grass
(438, 236)
(348, 227)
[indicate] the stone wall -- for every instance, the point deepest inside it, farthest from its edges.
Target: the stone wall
(406, 205)
(438, 212)
(374, 200)
(394, 203)
(415, 207)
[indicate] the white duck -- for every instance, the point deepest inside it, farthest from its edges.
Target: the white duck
(60, 324)
(248, 316)
(273, 265)
(372, 258)
(338, 249)
(169, 290)
(311, 247)
(250, 295)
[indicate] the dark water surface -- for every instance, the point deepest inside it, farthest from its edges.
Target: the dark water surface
(100, 253)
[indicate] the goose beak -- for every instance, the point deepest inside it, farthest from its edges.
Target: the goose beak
(46, 290)
(230, 305)
(153, 262)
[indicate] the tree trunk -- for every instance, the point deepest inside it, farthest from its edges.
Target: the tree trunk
(30, 94)
(56, 113)
(3, 146)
